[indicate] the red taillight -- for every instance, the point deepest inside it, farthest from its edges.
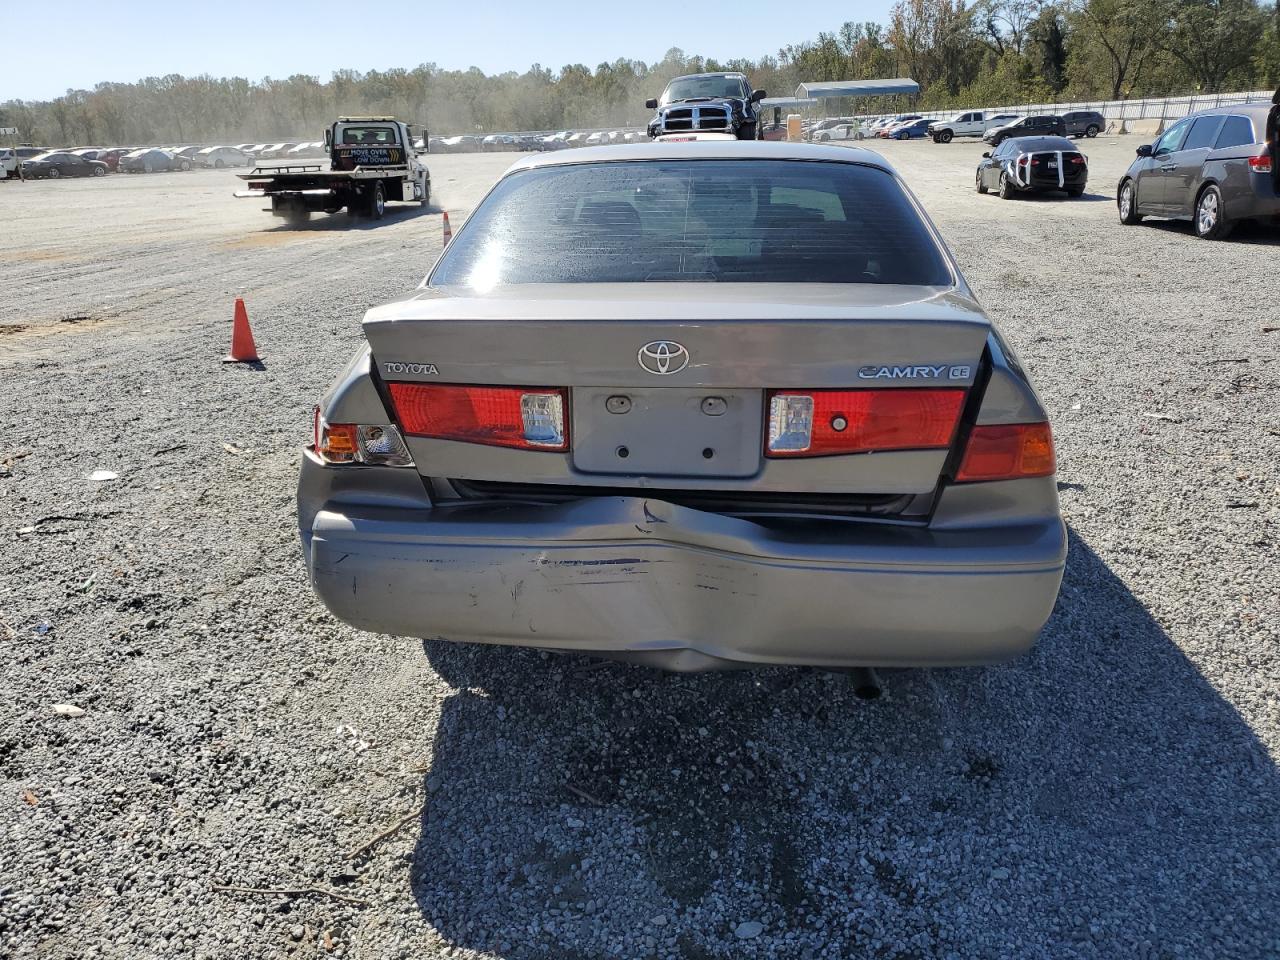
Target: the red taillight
(1022, 161)
(1007, 452)
(1260, 163)
(1077, 159)
(815, 423)
(531, 418)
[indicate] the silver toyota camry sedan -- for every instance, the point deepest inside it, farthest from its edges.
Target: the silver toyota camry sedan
(692, 404)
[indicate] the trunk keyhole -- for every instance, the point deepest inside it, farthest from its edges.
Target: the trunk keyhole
(623, 453)
(708, 453)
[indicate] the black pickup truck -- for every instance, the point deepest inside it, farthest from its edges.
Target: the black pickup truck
(707, 103)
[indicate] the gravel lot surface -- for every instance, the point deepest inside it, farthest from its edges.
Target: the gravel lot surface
(1113, 794)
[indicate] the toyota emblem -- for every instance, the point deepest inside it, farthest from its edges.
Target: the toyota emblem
(663, 357)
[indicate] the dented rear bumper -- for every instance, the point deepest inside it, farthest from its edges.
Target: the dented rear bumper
(679, 588)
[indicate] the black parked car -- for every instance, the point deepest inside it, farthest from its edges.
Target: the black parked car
(1214, 168)
(1039, 126)
(57, 164)
(152, 161)
(1084, 123)
(1033, 165)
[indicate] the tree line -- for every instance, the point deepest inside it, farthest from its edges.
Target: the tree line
(988, 52)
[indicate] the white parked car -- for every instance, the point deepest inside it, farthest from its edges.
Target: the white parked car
(275, 151)
(970, 123)
(1000, 120)
(311, 148)
(219, 157)
(841, 131)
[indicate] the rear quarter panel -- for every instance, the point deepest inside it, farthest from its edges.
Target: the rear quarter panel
(1229, 169)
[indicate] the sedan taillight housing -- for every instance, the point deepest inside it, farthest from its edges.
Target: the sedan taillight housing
(374, 444)
(527, 418)
(1007, 451)
(1261, 163)
(817, 423)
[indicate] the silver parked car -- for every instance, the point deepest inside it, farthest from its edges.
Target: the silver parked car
(691, 404)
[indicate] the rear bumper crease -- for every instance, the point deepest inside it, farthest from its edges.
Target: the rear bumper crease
(683, 589)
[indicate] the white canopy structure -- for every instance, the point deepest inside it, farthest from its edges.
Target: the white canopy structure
(856, 88)
(786, 103)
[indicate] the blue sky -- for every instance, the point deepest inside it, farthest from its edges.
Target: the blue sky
(84, 43)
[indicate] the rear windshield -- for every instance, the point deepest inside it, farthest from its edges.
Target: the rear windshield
(1035, 144)
(742, 221)
(364, 135)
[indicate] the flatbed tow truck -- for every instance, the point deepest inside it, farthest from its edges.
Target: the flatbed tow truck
(372, 160)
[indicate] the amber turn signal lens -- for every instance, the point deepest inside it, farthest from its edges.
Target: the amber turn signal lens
(336, 442)
(1007, 452)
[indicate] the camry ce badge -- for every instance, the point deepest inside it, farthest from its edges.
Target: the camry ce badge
(663, 357)
(916, 372)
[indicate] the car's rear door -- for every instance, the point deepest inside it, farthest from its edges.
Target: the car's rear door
(993, 166)
(1182, 183)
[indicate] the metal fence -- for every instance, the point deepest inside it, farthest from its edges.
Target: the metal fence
(1161, 108)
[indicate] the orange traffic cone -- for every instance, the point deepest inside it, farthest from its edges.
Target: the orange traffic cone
(448, 230)
(243, 349)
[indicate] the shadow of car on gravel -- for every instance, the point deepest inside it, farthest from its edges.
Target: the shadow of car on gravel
(1095, 798)
(321, 222)
(1058, 197)
(1244, 232)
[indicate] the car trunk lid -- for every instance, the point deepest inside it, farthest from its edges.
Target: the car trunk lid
(668, 384)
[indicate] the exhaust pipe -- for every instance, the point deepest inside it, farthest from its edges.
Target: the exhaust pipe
(866, 685)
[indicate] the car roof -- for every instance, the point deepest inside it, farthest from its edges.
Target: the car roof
(691, 136)
(1034, 144)
(725, 73)
(1257, 111)
(704, 150)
